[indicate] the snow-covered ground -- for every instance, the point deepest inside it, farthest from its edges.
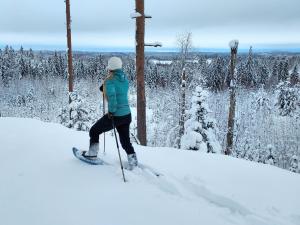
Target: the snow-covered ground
(42, 183)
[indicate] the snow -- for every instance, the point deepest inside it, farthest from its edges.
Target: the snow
(192, 61)
(233, 44)
(160, 62)
(43, 184)
(135, 15)
(208, 61)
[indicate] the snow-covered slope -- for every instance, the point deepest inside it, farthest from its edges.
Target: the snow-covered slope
(41, 183)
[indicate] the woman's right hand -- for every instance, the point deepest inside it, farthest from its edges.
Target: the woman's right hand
(101, 88)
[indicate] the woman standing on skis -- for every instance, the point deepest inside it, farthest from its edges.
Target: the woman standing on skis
(115, 89)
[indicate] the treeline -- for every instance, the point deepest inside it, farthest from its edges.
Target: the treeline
(252, 70)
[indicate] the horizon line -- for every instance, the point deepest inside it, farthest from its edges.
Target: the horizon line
(126, 49)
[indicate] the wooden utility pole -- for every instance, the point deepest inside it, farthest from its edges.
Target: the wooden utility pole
(231, 117)
(140, 16)
(69, 40)
(140, 62)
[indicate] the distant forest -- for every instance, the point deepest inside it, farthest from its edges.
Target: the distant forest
(211, 69)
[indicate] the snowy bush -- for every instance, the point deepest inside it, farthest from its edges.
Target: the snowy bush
(200, 129)
(294, 164)
(270, 158)
(262, 100)
(76, 115)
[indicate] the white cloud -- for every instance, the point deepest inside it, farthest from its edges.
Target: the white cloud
(108, 23)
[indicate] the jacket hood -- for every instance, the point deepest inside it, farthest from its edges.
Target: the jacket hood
(119, 75)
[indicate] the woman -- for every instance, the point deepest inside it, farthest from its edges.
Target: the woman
(115, 89)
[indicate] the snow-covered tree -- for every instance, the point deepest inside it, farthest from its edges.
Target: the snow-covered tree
(216, 74)
(200, 129)
(294, 79)
(294, 167)
(262, 100)
(80, 70)
(273, 80)
(263, 74)
(283, 71)
(287, 99)
(270, 157)
(75, 115)
(249, 78)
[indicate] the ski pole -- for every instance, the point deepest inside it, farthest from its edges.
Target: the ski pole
(121, 164)
(103, 115)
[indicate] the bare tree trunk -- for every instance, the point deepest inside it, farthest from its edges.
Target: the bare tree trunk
(182, 106)
(185, 44)
(140, 60)
(231, 116)
(69, 41)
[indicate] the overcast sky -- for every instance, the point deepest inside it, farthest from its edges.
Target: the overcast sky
(107, 23)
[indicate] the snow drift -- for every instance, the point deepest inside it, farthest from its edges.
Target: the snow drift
(42, 183)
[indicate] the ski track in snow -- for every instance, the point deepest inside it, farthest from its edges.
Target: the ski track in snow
(171, 185)
(220, 201)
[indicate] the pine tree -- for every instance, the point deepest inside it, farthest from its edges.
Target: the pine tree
(8, 66)
(263, 74)
(248, 77)
(283, 74)
(30, 54)
(216, 77)
(58, 67)
(240, 74)
(80, 70)
(23, 70)
(250, 69)
(294, 79)
(287, 99)
(274, 76)
(200, 130)
(21, 51)
(2, 71)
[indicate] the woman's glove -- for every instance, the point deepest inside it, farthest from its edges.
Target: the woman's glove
(110, 115)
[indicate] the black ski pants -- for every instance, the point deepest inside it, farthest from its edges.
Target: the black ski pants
(105, 124)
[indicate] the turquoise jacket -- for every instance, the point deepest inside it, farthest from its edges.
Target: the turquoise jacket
(116, 90)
